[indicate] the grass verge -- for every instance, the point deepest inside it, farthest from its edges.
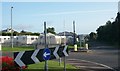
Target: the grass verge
(18, 48)
(52, 65)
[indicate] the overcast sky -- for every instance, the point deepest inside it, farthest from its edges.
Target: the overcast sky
(29, 16)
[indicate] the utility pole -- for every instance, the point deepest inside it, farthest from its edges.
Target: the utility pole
(74, 32)
(74, 37)
(45, 31)
(11, 29)
(64, 45)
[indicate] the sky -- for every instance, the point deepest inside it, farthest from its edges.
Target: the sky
(30, 16)
(59, 0)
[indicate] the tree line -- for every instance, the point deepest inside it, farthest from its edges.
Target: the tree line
(15, 33)
(109, 32)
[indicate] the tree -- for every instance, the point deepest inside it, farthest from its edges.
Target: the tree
(105, 32)
(23, 31)
(110, 31)
(93, 36)
(51, 30)
(15, 33)
(36, 34)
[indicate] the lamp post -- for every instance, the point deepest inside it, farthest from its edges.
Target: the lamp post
(64, 45)
(74, 37)
(46, 46)
(74, 42)
(11, 29)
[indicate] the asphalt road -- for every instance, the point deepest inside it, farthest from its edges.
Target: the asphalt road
(105, 55)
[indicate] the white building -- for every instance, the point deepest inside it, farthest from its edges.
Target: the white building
(19, 40)
(26, 39)
(29, 40)
(5, 39)
(52, 39)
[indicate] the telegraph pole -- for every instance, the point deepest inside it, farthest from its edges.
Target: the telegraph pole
(74, 37)
(74, 32)
(64, 45)
(45, 32)
(11, 29)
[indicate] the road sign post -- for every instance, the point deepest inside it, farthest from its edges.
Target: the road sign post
(45, 31)
(59, 61)
(66, 54)
(64, 63)
(75, 45)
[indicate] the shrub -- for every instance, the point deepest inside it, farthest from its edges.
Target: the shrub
(7, 64)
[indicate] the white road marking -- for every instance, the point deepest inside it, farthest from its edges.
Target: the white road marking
(94, 63)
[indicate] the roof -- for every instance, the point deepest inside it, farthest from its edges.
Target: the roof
(48, 34)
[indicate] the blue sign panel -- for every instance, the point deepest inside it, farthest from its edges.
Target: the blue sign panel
(46, 54)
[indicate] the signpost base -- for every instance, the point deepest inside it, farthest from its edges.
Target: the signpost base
(64, 63)
(46, 66)
(59, 61)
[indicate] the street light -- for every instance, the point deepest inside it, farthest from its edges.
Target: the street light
(11, 29)
(74, 42)
(74, 37)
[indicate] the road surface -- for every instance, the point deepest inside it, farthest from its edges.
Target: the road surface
(104, 55)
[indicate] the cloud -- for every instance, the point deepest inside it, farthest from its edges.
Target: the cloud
(73, 12)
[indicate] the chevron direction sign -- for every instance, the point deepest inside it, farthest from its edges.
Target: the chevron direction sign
(24, 58)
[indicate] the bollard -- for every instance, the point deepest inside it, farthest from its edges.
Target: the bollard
(86, 46)
(75, 47)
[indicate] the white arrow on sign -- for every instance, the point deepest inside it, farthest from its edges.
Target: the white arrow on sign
(64, 51)
(55, 52)
(18, 59)
(33, 57)
(46, 54)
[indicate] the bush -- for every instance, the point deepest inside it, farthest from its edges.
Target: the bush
(7, 64)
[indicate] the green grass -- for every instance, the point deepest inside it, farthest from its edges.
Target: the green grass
(52, 65)
(70, 46)
(20, 48)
